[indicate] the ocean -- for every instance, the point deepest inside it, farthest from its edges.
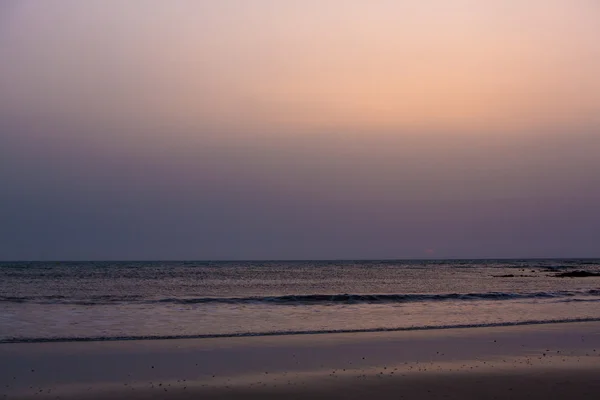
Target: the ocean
(80, 301)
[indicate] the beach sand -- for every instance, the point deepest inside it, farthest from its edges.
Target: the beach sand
(553, 361)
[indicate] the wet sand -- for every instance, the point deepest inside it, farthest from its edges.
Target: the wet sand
(551, 361)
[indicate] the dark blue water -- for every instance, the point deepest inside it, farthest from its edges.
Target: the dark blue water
(104, 300)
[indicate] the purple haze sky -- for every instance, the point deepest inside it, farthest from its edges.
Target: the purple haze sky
(263, 129)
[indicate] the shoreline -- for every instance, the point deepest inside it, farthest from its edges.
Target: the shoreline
(294, 333)
(308, 366)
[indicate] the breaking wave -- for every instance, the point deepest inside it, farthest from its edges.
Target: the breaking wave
(299, 300)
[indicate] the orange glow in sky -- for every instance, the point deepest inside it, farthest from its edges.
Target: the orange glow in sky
(461, 66)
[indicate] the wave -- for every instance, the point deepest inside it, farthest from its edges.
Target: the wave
(299, 300)
(291, 333)
(59, 299)
(580, 301)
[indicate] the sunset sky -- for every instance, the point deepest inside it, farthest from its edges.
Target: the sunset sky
(269, 129)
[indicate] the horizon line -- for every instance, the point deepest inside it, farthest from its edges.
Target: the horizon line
(312, 259)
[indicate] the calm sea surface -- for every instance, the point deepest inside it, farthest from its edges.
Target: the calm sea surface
(108, 300)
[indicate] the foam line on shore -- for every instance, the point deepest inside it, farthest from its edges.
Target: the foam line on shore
(290, 333)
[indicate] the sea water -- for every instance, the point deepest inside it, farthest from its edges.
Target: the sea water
(64, 301)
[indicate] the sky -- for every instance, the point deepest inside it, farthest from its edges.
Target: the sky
(314, 129)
